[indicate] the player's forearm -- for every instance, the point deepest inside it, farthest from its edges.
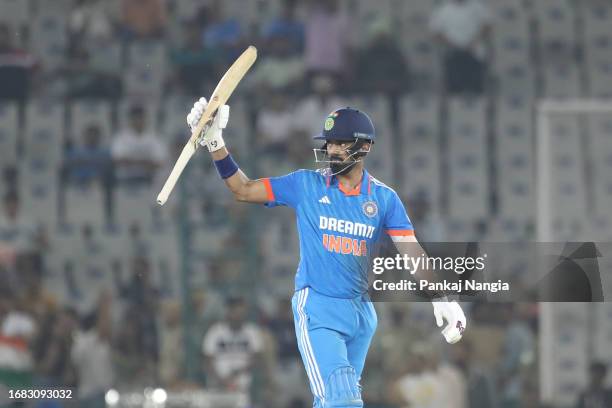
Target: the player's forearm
(238, 183)
(414, 250)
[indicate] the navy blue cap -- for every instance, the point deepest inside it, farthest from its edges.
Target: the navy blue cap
(347, 124)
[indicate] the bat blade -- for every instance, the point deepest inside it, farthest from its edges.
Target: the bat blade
(220, 95)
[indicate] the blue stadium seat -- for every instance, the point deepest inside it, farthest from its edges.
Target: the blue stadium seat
(9, 132)
(419, 155)
(467, 159)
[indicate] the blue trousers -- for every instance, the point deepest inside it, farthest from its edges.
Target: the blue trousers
(333, 336)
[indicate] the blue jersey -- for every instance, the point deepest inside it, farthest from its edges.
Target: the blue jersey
(338, 228)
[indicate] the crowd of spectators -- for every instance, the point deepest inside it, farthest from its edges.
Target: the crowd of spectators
(301, 41)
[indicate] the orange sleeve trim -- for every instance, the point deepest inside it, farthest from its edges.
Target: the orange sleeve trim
(400, 233)
(269, 190)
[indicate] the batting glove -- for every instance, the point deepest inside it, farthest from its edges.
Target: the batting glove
(455, 319)
(212, 137)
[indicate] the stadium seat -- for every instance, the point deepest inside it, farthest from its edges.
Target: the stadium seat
(85, 205)
(603, 315)
(9, 132)
(250, 13)
(14, 12)
(49, 37)
(514, 157)
(84, 113)
(44, 129)
(175, 110)
(562, 80)
(510, 50)
(147, 54)
(516, 78)
(510, 18)
(600, 77)
(143, 82)
(556, 20)
(237, 128)
(151, 108)
(415, 13)
(134, 204)
(419, 145)
(568, 178)
(600, 152)
(422, 55)
(38, 187)
(108, 58)
(467, 159)
(597, 20)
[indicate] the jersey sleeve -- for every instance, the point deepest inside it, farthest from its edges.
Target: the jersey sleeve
(397, 224)
(285, 190)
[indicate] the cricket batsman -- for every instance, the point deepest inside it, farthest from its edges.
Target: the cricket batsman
(341, 212)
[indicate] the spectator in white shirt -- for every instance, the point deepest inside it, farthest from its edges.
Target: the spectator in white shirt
(137, 152)
(231, 349)
(462, 26)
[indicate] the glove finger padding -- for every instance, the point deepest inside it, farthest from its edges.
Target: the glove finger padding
(222, 116)
(196, 112)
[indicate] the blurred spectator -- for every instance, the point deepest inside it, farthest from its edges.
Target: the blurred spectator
(171, 344)
(275, 124)
(282, 328)
(311, 111)
(16, 67)
(142, 19)
(461, 26)
(88, 161)
(134, 365)
(420, 386)
(17, 330)
(36, 297)
(231, 349)
(286, 26)
(52, 349)
(90, 22)
(279, 68)
(91, 354)
(327, 39)
(221, 33)
(430, 227)
(137, 153)
(479, 388)
(390, 73)
(16, 229)
(192, 59)
(143, 300)
(597, 394)
(519, 349)
(84, 80)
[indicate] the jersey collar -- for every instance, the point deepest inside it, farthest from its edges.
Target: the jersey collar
(363, 188)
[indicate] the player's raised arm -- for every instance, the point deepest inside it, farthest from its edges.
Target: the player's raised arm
(243, 188)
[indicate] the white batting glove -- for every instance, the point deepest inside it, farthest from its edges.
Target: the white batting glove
(455, 319)
(212, 138)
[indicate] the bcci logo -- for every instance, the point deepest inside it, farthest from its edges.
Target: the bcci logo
(370, 208)
(329, 122)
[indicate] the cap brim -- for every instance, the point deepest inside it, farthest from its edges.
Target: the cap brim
(320, 136)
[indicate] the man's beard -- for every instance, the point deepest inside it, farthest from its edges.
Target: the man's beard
(339, 167)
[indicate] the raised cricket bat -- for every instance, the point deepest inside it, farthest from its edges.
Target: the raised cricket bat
(220, 95)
